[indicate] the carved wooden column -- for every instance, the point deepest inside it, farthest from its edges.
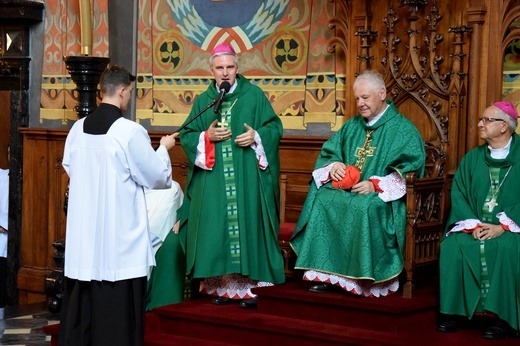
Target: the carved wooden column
(457, 92)
(476, 21)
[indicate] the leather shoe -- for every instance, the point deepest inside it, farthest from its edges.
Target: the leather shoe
(498, 330)
(222, 301)
(451, 323)
(321, 288)
(250, 303)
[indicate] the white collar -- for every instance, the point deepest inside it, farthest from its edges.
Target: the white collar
(377, 117)
(500, 153)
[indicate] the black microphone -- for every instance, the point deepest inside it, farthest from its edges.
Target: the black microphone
(224, 89)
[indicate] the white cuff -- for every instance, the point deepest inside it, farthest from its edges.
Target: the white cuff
(505, 220)
(393, 186)
(322, 175)
(464, 225)
(258, 147)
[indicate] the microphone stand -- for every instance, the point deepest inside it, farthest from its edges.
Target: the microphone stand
(211, 104)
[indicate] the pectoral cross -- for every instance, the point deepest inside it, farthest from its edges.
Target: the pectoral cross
(491, 204)
(222, 123)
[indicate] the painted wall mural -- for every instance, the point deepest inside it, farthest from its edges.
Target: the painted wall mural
(62, 38)
(282, 47)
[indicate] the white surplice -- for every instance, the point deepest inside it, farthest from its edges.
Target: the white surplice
(107, 225)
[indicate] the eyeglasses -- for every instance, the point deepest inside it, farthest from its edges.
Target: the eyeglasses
(486, 120)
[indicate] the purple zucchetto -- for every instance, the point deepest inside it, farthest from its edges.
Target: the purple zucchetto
(508, 108)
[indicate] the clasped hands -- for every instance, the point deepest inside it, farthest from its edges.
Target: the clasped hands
(487, 231)
(218, 134)
(337, 173)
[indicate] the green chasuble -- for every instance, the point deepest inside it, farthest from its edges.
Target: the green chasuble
(230, 214)
(460, 257)
(352, 235)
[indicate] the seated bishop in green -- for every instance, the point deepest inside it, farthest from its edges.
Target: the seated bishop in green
(353, 237)
(479, 254)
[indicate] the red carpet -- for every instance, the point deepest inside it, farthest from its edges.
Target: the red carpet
(289, 314)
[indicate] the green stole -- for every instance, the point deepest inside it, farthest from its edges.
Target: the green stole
(231, 191)
(487, 217)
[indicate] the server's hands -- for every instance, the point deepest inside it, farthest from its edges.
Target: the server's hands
(169, 140)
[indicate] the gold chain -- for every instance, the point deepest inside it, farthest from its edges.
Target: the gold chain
(222, 122)
(493, 201)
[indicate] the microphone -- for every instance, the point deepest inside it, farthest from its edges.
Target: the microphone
(224, 89)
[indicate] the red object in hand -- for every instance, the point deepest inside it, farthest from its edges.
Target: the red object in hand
(351, 178)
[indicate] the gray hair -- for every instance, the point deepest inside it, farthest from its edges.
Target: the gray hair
(512, 123)
(235, 57)
(374, 79)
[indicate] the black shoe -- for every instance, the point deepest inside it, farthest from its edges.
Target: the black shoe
(322, 288)
(451, 323)
(498, 330)
(250, 303)
(222, 301)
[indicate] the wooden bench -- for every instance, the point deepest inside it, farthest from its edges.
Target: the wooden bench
(426, 211)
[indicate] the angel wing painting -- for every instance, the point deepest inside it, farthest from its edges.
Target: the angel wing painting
(247, 22)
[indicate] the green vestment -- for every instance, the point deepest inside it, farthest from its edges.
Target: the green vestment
(352, 235)
(168, 279)
(209, 241)
(460, 257)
